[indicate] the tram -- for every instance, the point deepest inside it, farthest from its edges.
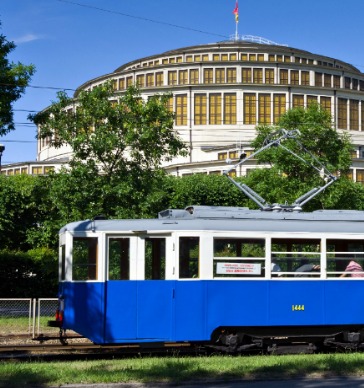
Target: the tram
(231, 278)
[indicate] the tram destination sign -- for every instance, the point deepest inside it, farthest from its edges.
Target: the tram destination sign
(238, 268)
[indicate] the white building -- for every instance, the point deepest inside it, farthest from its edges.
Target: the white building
(221, 91)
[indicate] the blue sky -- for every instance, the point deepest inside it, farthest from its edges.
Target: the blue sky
(73, 41)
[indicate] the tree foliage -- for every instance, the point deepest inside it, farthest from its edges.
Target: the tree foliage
(14, 78)
(318, 144)
(118, 134)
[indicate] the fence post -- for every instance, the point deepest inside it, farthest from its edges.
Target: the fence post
(34, 315)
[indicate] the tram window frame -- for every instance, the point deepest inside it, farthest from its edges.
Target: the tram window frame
(123, 267)
(238, 257)
(85, 266)
(155, 258)
(189, 257)
(340, 252)
(63, 262)
(290, 254)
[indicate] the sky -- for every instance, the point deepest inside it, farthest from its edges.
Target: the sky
(73, 41)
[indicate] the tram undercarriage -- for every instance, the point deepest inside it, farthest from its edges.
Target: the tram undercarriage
(287, 340)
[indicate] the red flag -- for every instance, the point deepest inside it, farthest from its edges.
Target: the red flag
(236, 11)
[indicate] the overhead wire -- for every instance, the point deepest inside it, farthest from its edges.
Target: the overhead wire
(142, 18)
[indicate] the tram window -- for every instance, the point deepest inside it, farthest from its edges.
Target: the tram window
(235, 257)
(63, 262)
(297, 257)
(340, 253)
(155, 259)
(119, 258)
(84, 261)
(189, 250)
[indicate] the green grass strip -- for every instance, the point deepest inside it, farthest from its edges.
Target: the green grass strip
(179, 369)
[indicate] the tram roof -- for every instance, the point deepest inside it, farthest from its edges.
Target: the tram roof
(196, 218)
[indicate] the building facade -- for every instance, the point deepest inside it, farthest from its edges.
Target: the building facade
(221, 91)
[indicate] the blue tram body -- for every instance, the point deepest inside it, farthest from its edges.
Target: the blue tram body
(208, 274)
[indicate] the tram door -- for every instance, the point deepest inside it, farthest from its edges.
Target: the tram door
(138, 298)
(155, 293)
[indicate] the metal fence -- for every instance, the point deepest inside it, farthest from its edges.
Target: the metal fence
(27, 317)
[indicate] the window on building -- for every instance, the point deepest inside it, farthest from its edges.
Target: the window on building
(250, 110)
(200, 109)
(269, 76)
(215, 109)
(283, 77)
(140, 80)
(354, 115)
(318, 79)
(208, 76)
(298, 101)
(222, 155)
(342, 113)
(220, 75)
(216, 57)
(325, 103)
(181, 109)
(305, 78)
(232, 57)
(347, 81)
(119, 258)
(327, 80)
(230, 108)
(264, 108)
(172, 77)
(37, 170)
(194, 76)
(182, 77)
(355, 84)
(258, 76)
(246, 75)
(362, 115)
(84, 258)
(231, 75)
(244, 57)
(279, 106)
(189, 58)
(261, 57)
(360, 176)
(170, 104)
(129, 81)
(224, 57)
(121, 83)
(205, 57)
(47, 169)
(295, 77)
(337, 81)
(311, 100)
(150, 80)
(279, 58)
(159, 78)
(252, 57)
(271, 58)
(189, 253)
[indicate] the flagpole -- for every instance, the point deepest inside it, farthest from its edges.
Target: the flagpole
(236, 13)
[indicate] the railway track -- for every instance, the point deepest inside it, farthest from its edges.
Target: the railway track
(11, 350)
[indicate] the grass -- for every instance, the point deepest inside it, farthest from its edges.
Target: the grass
(179, 369)
(14, 325)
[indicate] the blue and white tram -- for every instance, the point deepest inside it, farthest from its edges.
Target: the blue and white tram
(209, 274)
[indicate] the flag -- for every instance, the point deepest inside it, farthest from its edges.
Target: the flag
(236, 11)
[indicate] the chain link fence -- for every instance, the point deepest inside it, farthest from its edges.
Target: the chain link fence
(15, 316)
(44, 310)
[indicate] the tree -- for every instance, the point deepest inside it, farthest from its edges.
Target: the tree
(318, 143)
(14, 78)
(118, 144)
